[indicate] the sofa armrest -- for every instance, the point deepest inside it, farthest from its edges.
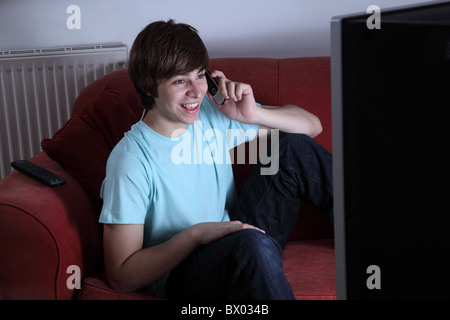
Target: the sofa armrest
(43, 231)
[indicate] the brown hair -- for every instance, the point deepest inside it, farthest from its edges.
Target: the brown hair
(162, 50)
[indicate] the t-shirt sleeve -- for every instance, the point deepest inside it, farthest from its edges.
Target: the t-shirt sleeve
(125, 190)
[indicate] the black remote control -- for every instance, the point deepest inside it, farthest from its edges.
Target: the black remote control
(36, 172)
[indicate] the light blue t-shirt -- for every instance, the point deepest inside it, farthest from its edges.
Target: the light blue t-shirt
(170, 184)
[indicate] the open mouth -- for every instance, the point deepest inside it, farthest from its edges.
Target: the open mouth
(191, 107)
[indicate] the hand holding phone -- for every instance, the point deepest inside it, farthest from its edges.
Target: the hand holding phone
(213, 89)
(240, 102)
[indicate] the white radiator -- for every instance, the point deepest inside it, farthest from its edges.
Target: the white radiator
(38, 88)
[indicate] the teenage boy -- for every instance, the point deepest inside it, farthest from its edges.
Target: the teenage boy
(179, 229)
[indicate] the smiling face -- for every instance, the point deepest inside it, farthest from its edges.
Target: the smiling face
(161, 51)
(178, 103)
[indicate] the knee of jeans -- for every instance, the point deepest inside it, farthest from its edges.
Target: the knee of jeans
(257, 246)
(295, 139)
(302, 145)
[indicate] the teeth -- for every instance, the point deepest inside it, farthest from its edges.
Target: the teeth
(190, 105)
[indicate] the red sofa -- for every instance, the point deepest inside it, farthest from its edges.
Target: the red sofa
(44, 231)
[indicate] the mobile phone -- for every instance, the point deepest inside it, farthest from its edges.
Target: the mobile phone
(213, 89)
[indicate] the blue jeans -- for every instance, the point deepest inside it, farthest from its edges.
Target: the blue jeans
(248, 264)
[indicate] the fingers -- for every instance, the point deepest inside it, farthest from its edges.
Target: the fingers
(238, 226)
(233, 90)
(207, 232)
(218, 74)
(230, 89)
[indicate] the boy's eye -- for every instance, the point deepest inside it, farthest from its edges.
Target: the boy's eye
(183, 81)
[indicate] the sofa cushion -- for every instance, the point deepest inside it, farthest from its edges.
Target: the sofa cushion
(309, 266)
(82, 146)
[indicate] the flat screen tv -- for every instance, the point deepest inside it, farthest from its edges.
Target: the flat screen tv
(391, 152)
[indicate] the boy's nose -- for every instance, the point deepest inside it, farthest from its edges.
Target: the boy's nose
(195, 90)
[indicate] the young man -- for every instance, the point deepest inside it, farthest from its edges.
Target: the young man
(177, 228)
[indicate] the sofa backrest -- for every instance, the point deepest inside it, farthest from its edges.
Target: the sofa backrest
(305, 82)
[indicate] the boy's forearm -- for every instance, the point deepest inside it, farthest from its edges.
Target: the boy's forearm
(148, 265)
(288, 118)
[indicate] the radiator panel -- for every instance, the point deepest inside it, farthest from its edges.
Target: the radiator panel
(38, 88)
